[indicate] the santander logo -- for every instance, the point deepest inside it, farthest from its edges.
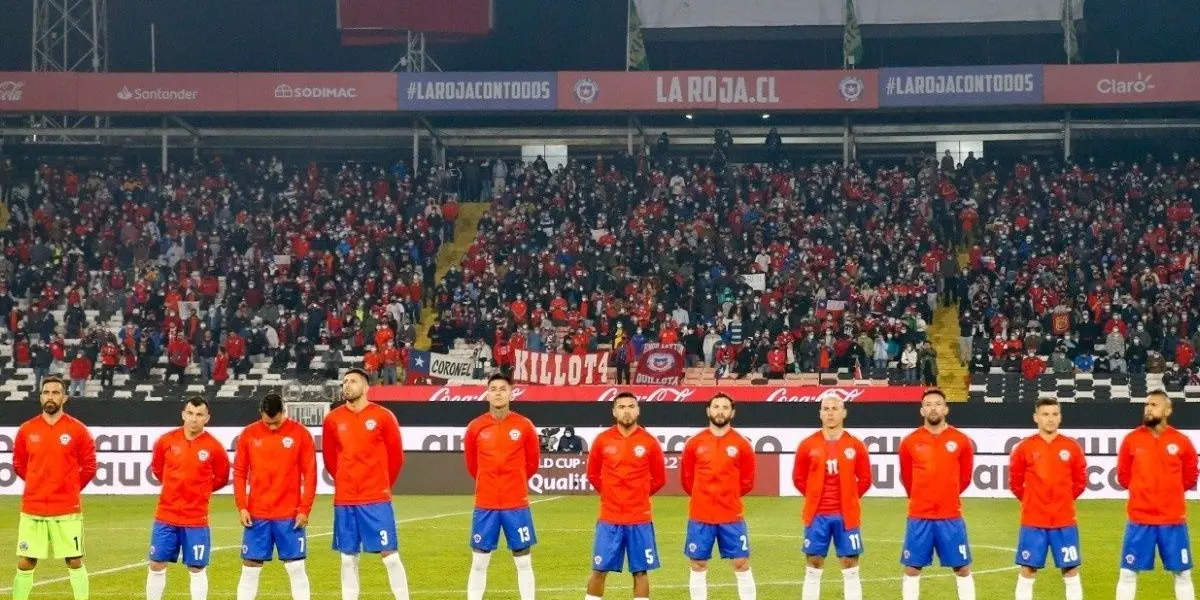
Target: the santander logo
(11, 91)
(125, 94)
(1140, 84)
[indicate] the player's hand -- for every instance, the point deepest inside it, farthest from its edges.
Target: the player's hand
(246, 520)
(301, 521)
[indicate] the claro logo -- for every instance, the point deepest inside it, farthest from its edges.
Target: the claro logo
(1140, 84)
(284, 90)
(11, 91)
(127, 94)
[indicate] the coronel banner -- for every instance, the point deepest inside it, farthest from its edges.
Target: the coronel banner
(718, 90)
(327, 92)
(1123, 83)
(644, 393)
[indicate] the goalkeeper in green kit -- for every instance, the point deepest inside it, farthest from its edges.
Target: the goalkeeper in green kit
(56, 457)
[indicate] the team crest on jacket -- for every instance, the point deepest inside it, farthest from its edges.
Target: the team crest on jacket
(639, 451)
(1172, 449)
(850, 453)
(202, 455)
(287, 442)
(514, 435)
(951, 446)
(731, 451)
(64, 439)
(370, 424)
(1065, 455)
(34, 438)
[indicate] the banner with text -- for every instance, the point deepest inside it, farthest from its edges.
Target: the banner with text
(961, 86)
(544, 368)
(645, 393)
(1123, 83)
(464, 91)
(718, 90)
(660, 364)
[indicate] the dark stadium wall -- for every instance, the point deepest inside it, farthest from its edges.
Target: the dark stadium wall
(558, 414)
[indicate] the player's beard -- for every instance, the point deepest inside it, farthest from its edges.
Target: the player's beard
(51, 407)
(719, 421)
(627, 422)
(933, 420)
(1150, 421)
(348, 399)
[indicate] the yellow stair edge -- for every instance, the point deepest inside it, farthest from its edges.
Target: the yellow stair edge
(449, 255)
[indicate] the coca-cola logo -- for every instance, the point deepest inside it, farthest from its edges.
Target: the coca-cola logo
(843, 394)
(662, 394)
(446, 394)
(11, 91)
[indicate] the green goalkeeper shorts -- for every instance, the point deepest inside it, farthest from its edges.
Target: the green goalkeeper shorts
(50, 537)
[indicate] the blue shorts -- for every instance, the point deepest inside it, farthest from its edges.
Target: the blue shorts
(168, 542)
(517, 524)
(1062, 542)
(1137, 553)
(732, 540)
(830, 528)
(364, 528)
(615, 542)
(263, 536)
(947, 536)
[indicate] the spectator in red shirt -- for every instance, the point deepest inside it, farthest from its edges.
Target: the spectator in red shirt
(179, 356)
(1032, 366)
(81, 371)
(110, 357)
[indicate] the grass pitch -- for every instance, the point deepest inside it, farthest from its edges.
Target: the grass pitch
(434, 531)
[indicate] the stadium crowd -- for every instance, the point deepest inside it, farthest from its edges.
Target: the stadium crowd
(769, 268)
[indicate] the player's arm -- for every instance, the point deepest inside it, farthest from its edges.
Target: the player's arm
(906, 467)
(593, 462)
(395, 448)
(470, 452)
(308, 474)
(85, 449)
(241, 471)
(20, 454)
(658, 468)
(158, 459)
(220, 467)
(1125, 463)
(687, 466)
(533, 451)
(747, 468)
(1016, 472)
(800, 469)
(329, 446)
(862, 469)
(1187, 458)
(966, 465)
(1079, 478)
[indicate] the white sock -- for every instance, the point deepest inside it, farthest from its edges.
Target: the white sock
(812, 584)
(745, 585)
(1126, 585)
(698, 584)
(247, 588)
(1184, 590)
(477, 578)
(910, 587)
(301, 590)
(590, 597)
(156, 582)
(641, 599)
(851, 584)
(1074, 587)
(397, 578)
(199, 585)
(1024, 588)
(525, 582)
(966, 587)
(349, 577)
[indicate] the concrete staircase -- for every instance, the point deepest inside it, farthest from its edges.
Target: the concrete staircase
(451, 254)
(943, 332)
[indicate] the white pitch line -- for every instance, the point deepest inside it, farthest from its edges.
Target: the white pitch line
(130, 566)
